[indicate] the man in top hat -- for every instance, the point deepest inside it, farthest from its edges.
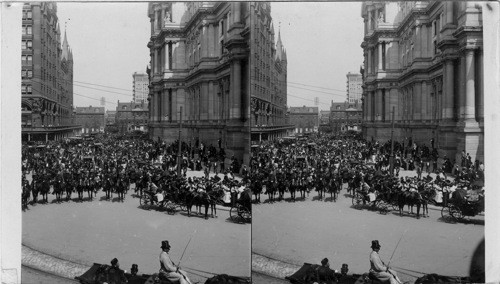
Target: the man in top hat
(168, 269)
(378, 269)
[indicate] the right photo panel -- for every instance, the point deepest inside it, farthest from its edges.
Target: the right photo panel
(367, 142)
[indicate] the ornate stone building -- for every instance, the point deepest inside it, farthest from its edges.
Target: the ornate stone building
(425, 60)
(268, 73)
(47, 75)
(130, 116)
(200, 63)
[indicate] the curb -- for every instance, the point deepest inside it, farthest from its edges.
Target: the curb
(272, 267)
(50, 264)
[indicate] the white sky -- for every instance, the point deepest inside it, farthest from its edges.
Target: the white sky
(323, 42)
(109, 43)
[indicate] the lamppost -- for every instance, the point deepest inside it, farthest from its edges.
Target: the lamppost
(179, 157)
(391, 159)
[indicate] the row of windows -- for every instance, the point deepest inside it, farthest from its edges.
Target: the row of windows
(27, 74)
(27, 30)
(27, 15)
(27, 45)
(26, 59)
(26, 89)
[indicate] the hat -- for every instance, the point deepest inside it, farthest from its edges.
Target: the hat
(324, 261)
(134, 267)
(114, 261)
(375, 244)
(165, 244)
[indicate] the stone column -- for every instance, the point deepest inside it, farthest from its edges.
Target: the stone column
(236, 86)
(211, 40)
(204, 99)
(480, 87)
(236, 12)
(461, 95)
(153, 61)
(369, 65)
(378, 105)
(424, 30)
(165, 56)
(425, 103)
(165, 104)
(449, 12)
(417, 101)
(470, 90)
(211, 100)
(204, 41)
(418, 42)
(380, 65)
(449, 84)
(174, 105)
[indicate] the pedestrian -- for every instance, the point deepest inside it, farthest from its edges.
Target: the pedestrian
(114, 274)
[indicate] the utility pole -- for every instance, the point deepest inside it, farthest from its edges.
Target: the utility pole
(179, 157)
(391, 159)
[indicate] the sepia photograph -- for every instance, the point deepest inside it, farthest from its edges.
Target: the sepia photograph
(265, 142)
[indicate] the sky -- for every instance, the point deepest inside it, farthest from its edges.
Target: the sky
(323, 43)
(109, 43)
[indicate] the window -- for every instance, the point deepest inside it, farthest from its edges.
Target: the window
(29, 44)
(24, 72)
(23, 58)
(28, 89)
(29, 30)
(23, 45)
(30, 73)
(29, 15)
(24, 30)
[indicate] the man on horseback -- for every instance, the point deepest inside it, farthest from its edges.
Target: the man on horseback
(168, 269)
(378, 269)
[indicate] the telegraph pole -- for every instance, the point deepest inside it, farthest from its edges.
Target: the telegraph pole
(179, 156)
(391, 159)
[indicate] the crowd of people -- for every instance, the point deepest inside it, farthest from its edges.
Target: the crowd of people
(325, 164)
(116, 164)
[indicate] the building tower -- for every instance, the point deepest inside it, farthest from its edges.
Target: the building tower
(354, 90)
(140, 87)
(47, 75)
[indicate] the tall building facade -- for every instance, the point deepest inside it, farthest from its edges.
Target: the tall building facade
(47, 75)
(140, 87)
(200, 64)
(424, 59)
(354, 90)
(92, 119)
(268, 77)
(304, 119)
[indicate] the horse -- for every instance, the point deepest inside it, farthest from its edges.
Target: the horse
(91, 187)
(25, 196)
(120, 188)
(44, 190)
(292, 188)
(334, 188)
(108, 188)
(58, 184)
(80, 187)
(320, 188)
(199, 199)
(69, 189)
(214, 194)
(35, 189)
(409, 198)
(256, 188)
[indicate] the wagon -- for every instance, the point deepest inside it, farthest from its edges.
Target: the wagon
(462, 205)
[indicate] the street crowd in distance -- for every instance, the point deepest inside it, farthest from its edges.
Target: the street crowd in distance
(326, 163)
(115, 164)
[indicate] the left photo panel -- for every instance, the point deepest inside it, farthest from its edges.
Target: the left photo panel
(135, 142)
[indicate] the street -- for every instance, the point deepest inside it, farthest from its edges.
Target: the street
(308, 231)
(98, 231)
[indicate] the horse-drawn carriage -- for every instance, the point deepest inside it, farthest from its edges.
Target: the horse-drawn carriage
(241, 211)
(463, 204)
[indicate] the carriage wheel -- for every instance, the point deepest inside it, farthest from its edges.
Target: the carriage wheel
(357, 201)
(447, 215)
(383, 207)
(144, 200)
(233, 214)
(246, 215)
(455, 212)
(395, 207)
